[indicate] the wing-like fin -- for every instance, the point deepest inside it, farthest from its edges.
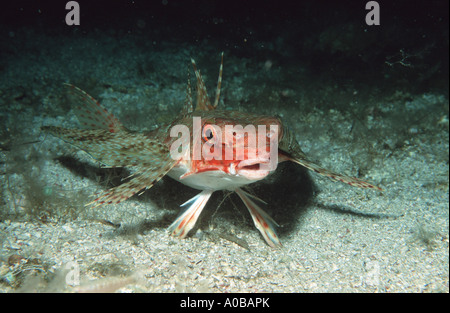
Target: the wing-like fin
(115, 149)
(352, 181)
(109, 142)
(263, 222)
(142, 180)
(290, 150)
(186, 221)
(151, 158)
(91, 114)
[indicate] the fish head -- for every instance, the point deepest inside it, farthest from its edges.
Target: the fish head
(231, 149)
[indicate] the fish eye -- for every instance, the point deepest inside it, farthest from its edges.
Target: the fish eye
(271, 134)
(208, 133)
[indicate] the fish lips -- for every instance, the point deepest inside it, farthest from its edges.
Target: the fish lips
(256, 169)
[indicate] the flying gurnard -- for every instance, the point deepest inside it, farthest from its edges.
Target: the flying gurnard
(228, 158)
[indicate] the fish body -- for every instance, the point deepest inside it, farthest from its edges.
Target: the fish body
(204, 148)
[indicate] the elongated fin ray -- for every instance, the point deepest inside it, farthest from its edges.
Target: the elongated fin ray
(188, 105)
(263, 222)
(203, 102)
(186, 221)
(219, 82)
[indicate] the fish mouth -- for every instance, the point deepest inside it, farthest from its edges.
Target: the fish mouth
(253, 169)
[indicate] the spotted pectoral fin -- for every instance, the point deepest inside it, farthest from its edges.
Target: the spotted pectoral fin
(141, 181)
(90, 113)
(115, 149)
(186, 221)
(352, 181)
(263, 222)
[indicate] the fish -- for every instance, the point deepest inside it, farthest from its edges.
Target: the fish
(204, 147)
